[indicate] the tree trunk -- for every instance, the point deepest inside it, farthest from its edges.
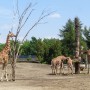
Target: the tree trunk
(13, 70)
(77, 69)
(88, 63)
(77, 40)
(13, 64)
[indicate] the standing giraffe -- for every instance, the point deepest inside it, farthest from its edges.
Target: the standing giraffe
(87, 52)
(4, 56)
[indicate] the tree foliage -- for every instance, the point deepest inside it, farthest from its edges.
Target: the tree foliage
(52, 49)
(45, 49)
(86, 33)
(68, 38)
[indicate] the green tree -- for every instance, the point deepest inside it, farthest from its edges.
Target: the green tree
(52, 49)
(86, 33)
(25, 48)
(33, 46)
(29, 47)
(40, 50)
(67, 33)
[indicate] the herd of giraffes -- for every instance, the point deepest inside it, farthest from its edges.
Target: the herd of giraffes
(58, 62)
(4, 56)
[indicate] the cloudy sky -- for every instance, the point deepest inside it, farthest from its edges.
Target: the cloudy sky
(64, 9)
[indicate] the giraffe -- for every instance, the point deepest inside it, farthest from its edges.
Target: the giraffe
(69, 64)
(87, 52)
(57, 62)
(4, 56)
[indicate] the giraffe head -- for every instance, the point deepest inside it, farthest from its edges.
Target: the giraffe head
(11, 34)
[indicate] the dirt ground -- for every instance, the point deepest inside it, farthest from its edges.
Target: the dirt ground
(35, 76)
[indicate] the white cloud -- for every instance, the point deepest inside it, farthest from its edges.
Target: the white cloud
(55, 15)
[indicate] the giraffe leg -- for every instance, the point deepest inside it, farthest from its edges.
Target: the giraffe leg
(4, 72)
(6, 63)
(71, 69)
(52, 69)
(56, 69)
(2, 75)
(60, 70)
(68, 69)
(6, 75)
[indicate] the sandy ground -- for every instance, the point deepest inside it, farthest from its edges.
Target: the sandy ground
(35, 76)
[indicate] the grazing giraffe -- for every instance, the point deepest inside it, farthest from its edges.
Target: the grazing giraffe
(4, 56)
(57, 62)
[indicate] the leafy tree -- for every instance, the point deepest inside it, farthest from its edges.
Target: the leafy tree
(25, 48)
(67, 33)
(52, 49)
(33, 42)
(40, 50)
(29, 47)
(86, 33)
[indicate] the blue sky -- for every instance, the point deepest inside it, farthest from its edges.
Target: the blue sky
(65, 9)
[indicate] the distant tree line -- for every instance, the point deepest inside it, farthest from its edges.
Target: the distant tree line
(47, 49)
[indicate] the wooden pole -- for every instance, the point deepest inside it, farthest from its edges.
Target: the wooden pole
(13, 64)
(77, 40)
(88, 63)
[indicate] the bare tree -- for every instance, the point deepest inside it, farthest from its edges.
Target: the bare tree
(22, 20)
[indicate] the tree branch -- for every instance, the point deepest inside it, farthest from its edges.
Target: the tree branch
(40, 18)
